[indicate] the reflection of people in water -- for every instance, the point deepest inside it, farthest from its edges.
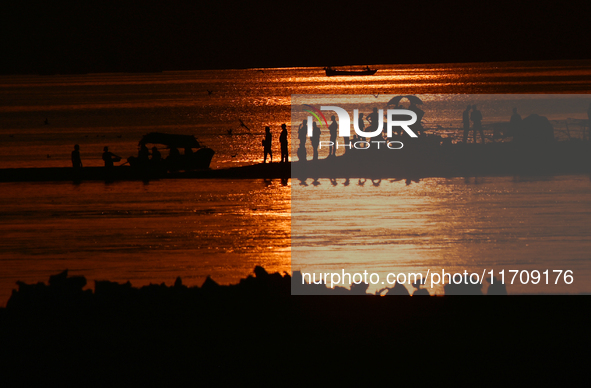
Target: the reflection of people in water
(109, 157)
(332, 130)
(476, 118)
(283, 143)
(315, 140)
(466, 121)
(267, 142)
(76, 161)
(302, 136)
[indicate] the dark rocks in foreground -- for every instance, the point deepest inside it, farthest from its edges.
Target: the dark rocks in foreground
(257, 331)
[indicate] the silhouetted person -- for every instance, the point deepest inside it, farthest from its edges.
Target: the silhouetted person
(466, 122)
(76, 161)
(284, 144)
(476, 118)
(156, 157)
(174, 160)
(143, 155)
(361, 125)
(332, 130)
(373, 118)
(515, 123)
(315, 140)
(417, 127)
(267, 143)
(109, 157)
(302, 136)
(46, 122)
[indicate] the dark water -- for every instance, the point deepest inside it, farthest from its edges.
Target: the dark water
(155, 232)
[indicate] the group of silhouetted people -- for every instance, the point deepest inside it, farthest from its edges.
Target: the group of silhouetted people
(110, 158)
(372, 119)
(267, 143)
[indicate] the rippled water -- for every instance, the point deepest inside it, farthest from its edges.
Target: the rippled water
(143, 232)
(155, 232)
(473, 224)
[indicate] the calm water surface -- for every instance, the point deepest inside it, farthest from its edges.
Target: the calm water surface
(157, 231)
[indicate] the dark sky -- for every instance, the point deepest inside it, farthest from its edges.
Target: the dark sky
(156, 35)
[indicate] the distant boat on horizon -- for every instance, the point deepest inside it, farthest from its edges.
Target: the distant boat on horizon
(330, 72)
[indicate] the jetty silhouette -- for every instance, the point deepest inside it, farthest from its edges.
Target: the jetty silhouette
(533, 150)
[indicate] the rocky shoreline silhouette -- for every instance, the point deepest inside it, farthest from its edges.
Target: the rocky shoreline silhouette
(157, 334)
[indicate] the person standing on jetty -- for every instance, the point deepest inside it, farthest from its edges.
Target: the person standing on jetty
(515, 123)
(315, 140)
(109, 157)
(283, 142)
(361, 125)
(302, 136)
(476, 118)
(417, 127)
(466, 121)
(76, 161)
(372, 118)
(332, 130)
(267, 143)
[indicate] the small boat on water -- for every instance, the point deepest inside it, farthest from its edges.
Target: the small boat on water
(330, 72)
(195, 157)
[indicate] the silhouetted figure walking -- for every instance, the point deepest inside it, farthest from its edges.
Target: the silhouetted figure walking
(315, 140)
(476, 118)
(267, 142)
(284, 144)
(302, 136)
(76, 161)
(332, 130)
(466, 122)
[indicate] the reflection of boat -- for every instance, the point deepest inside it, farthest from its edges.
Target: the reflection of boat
(330, 72)
(191, 160)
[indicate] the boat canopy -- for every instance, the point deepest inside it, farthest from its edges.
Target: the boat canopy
(169, 140)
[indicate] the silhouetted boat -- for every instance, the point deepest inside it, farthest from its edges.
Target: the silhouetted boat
(191, 160)
(330, 72)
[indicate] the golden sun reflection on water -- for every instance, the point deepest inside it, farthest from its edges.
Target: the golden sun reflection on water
(444, 224)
